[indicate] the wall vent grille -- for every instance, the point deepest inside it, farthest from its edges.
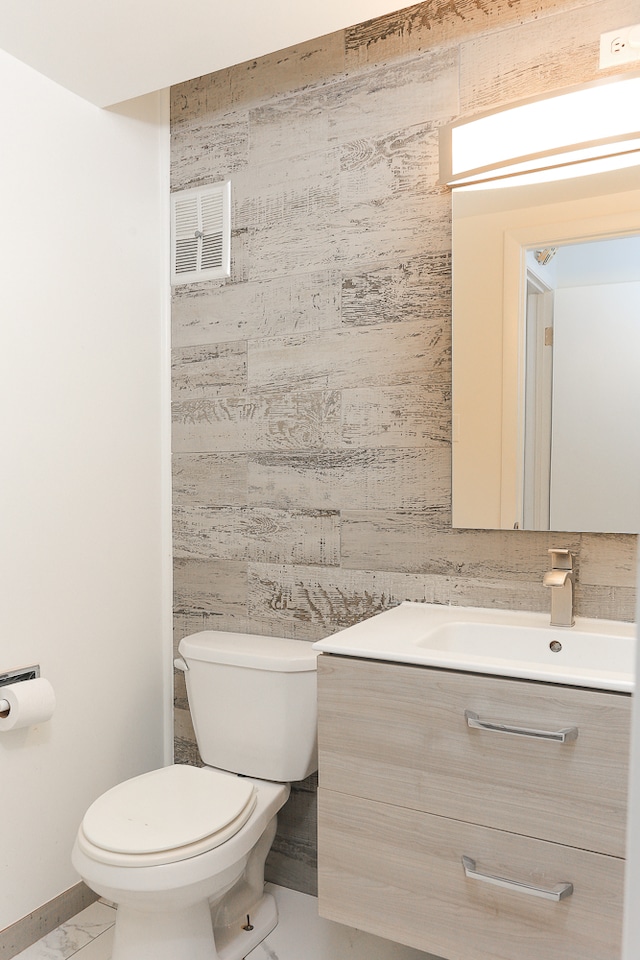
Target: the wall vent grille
(201, 233)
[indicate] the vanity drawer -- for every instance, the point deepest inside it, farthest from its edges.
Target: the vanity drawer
(398, 734)
(399, 874)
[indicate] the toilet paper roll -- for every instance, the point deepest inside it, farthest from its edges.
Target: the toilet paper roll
(30, 701)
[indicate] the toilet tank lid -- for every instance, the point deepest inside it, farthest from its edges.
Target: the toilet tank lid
(249, 650)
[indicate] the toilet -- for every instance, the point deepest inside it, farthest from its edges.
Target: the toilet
(181, 850)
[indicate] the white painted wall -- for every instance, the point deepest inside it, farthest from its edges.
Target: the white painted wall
(595, 458)
(83, 484)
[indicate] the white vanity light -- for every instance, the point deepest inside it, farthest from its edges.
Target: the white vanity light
(583, 124)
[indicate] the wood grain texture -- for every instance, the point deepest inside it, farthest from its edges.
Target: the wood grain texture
(301, 195)
(367, 240)
(284, 71)
(214, 587)
(247, 84)
(215, 478)
(183, 724)
(414, 415)
(343, 107)
(291, 420)
(392, 175)
(199, 159)
(381, 355)
(292, 859)
(309, 603)
(272, 123)
(394, 96)
(398, 734)
(256, 533)
(289, 212)
(417, 287)
(608, 559)
(385, 215)
(502, 592)
(197, 98)
(539, 56)
(213, 312)
(208, 370)
(426, 25)
(610, 603)
(312, 487)
(397, 873)
(373, 479)
(414, 542)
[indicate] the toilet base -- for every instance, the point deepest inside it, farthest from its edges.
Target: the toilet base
(164, 936)
(167, 936)
(232, 944)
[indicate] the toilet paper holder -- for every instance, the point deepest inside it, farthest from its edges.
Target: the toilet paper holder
(15, 676)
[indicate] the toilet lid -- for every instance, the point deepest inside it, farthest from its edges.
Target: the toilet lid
(169, 808)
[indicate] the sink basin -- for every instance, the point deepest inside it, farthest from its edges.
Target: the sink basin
(594, 653)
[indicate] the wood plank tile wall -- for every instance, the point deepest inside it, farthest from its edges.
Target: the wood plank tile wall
(312, 390)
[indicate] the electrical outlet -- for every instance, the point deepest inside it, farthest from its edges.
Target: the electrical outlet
(620, 46)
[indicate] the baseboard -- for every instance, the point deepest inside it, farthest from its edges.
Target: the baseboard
(23, 933)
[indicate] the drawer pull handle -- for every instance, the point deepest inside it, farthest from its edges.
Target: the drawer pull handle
(557, 736)
(559, 892)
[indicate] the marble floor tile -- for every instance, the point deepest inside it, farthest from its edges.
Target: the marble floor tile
(76, 935)
(300, 933)
(98, 949)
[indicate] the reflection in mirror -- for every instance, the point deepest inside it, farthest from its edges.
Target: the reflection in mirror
(546, 340)
(582, 385)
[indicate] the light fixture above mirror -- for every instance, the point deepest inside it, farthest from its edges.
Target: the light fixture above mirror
(571, 128)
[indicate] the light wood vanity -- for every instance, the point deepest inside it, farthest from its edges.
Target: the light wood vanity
(412, 781)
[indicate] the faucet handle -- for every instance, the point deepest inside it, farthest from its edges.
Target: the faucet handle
(561, 558)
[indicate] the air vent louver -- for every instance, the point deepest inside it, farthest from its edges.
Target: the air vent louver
(201, 233)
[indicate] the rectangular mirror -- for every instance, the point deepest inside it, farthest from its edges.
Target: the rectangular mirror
(546, 353)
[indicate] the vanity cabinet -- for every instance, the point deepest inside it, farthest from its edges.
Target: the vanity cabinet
(417, 773)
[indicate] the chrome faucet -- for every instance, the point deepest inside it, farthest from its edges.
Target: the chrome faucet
(560, 579)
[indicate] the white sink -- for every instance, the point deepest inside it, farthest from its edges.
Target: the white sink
(593, 653)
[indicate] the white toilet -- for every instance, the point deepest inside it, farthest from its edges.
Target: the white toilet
(181, 850)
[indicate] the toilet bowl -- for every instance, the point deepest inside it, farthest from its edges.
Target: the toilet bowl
(169, 900)
(181, 850)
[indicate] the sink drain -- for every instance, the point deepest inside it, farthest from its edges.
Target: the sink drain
(555, 646)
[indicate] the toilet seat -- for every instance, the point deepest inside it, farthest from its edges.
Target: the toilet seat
(170, 814)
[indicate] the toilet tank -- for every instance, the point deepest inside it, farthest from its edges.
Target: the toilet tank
(253, 703)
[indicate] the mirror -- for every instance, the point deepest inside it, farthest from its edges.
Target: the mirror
(546, 351)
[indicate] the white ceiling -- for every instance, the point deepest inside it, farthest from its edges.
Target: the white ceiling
(108, 51)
